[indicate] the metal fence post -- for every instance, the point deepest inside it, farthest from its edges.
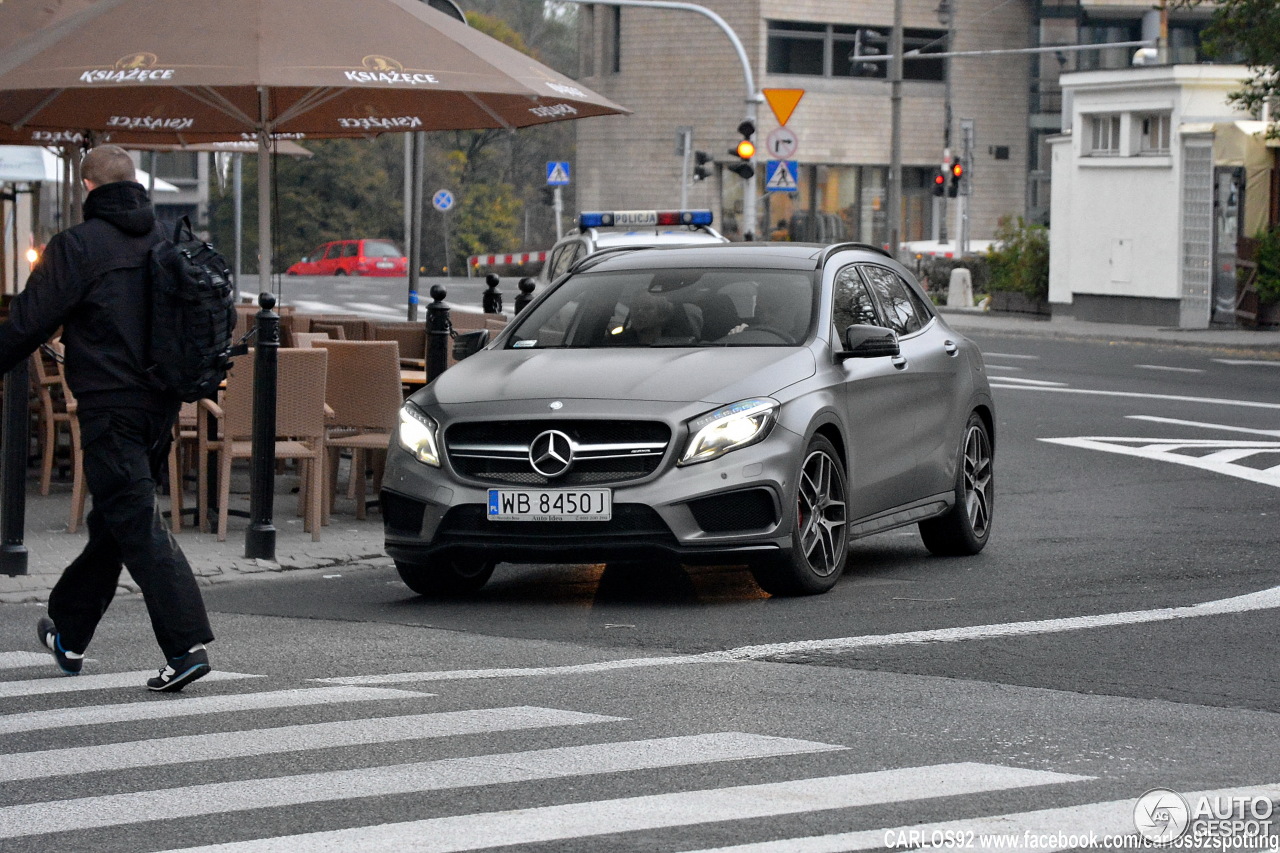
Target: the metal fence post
(526, 293)
(437, 333)
(260, 538)
(492, 299)
(13, 471)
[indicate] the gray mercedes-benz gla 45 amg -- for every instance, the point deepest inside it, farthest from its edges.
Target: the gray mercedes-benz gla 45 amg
(743, 404)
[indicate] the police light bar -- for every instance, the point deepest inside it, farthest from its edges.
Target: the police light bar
(616, 218)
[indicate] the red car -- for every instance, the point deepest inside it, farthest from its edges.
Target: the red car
(353, 257)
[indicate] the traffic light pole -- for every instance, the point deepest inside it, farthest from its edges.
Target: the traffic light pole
(753, 98)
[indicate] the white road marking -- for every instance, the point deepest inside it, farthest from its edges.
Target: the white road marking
(1003, 832)
(197, 706)
(1010, 355)
(1237, 362)
(477, 771)
(659, 811)
(1267, 599)
(1003, 367)
(1170, 450)
(108, 681)
(156, 752)
(1170, 369)
(1033, 383)
(1202, 425)
(1177, 398)
(20, 660)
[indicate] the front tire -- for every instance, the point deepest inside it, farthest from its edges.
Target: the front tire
(820, 541)
(443, 578)
(965, 529)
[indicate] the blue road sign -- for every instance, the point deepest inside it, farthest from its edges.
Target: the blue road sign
(781, 176)
(442, 200)
(558, 174)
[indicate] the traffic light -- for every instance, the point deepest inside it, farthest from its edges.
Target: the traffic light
(957, 175)
(939, 182)
(745, 150)
(548, 195)
(700, 161)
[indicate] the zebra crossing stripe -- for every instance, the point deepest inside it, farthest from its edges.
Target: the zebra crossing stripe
(1020, 831)
(476, 771)
(107, 681)
(196, 706)
(186, 749)
(658, 811)
(18, 660)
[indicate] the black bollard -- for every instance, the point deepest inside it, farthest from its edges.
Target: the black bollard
(13, 471)
(491, 301)
(260, 538)
(437, 333)
(526, 293)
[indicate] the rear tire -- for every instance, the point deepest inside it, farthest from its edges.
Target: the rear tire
(965, 529)
(820, 540)
(443, 578)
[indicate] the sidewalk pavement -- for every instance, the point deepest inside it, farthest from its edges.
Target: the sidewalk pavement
(348, 542)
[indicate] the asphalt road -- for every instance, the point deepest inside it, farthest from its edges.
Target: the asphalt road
(1117, 635)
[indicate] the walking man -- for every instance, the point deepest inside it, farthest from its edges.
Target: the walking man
(93, 281)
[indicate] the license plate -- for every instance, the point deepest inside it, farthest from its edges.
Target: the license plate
(550, 505)
(385, 265)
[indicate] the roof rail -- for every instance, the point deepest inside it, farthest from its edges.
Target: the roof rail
(841, 247)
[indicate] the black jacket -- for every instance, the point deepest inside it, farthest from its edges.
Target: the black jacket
(93, 281)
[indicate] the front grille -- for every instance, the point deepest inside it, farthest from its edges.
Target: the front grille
(401, 514)
(751, 509)
(636, 521)
(603, 451)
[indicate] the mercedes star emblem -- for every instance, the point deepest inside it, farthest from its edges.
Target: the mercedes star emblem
(551, 453)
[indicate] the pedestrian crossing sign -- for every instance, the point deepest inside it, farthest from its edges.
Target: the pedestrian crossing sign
(781, 176)
(558, 173)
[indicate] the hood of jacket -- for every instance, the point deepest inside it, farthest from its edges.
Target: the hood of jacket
(125, 204)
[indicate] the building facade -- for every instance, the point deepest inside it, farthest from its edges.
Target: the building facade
(677, 69)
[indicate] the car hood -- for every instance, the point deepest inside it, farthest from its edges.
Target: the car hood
(712, 375)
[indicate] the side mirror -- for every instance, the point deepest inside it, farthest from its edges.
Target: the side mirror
(864, 341)
(469, 343)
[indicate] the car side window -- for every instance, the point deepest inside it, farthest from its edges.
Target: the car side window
(334, 251)
(852, 304)
(350, 250)
(895, 299)
(565, 258)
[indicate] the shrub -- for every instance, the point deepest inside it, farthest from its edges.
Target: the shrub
(935, 273)
(1019, 259)
(1268, 258)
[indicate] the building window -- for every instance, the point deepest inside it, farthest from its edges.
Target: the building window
(177, 166)
(1155, 133)
(1104, 135)
(846, 50)
(612, 60)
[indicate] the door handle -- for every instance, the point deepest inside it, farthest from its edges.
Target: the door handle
(900, 362)
(951, 348)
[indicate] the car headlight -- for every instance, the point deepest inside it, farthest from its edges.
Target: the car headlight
(417, 435)
(729, 428)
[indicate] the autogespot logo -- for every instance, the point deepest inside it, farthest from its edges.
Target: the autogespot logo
(1161, 815)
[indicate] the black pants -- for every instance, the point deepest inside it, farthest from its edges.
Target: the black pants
(124, 452)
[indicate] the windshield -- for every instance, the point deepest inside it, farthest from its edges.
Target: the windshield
(380, 249)
(672, 308)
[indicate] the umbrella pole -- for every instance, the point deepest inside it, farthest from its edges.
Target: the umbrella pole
(264, 211)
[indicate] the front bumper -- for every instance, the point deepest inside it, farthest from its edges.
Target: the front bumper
(734, 508)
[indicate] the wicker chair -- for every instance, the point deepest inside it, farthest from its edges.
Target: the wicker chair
(306, 340)
(77, 456)
(412, 338)
(363, 389)
(186, 437)
(300, 429)
(45, 377)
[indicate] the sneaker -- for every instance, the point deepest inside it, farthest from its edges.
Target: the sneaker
(52, 640)
(178, 672)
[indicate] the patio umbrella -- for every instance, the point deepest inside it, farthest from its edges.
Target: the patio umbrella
(138, 70)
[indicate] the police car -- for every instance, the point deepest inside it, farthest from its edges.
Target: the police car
(607, 229)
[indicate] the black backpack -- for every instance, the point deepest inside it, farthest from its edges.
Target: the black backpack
(193, 314)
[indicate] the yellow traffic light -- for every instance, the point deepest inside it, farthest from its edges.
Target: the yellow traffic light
(746, 149)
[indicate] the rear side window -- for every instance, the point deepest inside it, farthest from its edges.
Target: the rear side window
(350, 250)
(895, 298)
(565, 257)
(334, 251)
